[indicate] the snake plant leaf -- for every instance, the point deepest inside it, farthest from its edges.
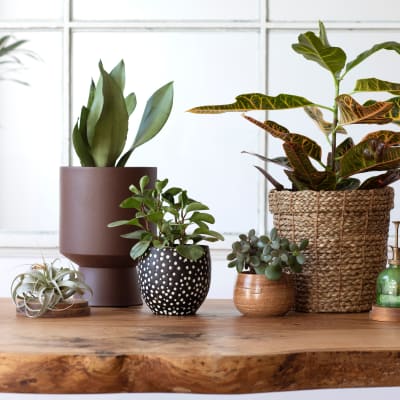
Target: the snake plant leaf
(92, 91)
(270, 178)
(304, 171)
(80, 142)
(352, 112)
(255, 101)
(377, 85)
(395, 46)
(130, 102)
(282, 161)
(326, 127)
(155, 115)
(380, 181)
(394, 112)
(118, 74)
(109, 131)
(313, 48)
(308, 145)
(372, 154)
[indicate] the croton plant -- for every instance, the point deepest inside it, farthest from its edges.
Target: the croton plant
(303, 163)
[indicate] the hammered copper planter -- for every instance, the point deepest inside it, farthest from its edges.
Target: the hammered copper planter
(89, 200)
(257, 296)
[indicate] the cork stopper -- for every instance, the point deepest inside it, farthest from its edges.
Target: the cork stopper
(395, 249)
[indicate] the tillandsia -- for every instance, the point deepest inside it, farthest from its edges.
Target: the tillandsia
(100, 134)
(44, 286)
(180, 220)
(303, 162)
(266, 255)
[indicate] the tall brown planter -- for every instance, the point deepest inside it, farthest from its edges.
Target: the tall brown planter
(348, 232)
(89, 200)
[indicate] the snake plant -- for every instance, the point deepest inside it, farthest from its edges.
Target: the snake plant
(303, 162)
(44, 286)
(100, 133)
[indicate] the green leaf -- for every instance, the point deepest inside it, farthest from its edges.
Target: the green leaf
(80, 143)
(107, 122)
(255, 101)
(232, 264)
(196, 206)
(322, 34)
(130, 102)
(282, 161)
(202, 217)
(118, 74)
(395, 46)
(131, 202)
(139, 249)
(160, 185)
(273, 273)
(300, 259)
(377, 85)
(134, 235)
(313, 48)
(303, 244)
(216, 235)
(155, 217)
(155, 115)
(190, 251)
(144, 181)
(348, 184)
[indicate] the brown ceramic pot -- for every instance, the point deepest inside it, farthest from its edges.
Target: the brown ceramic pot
(89, 200)
(257, 296)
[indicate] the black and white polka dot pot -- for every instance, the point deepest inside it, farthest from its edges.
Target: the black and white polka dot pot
(172, 284)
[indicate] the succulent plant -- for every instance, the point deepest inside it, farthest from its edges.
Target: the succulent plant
(180, 220)
(303, 163)
(99, 136)
(267, 255)
(44, 286)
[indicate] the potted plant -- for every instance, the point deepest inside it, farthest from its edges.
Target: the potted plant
(346, 219)
(90, 194)
(174, 269)
(265, 265)
(49, 290)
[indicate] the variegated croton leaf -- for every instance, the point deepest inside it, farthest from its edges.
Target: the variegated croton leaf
(316, 115)
(352, 112)
(378, 151)
(255, 101)
(394, 112)
(377, 85)
(380, 181)
(311, 148)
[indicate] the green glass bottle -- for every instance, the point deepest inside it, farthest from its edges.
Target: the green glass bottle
(388, 282)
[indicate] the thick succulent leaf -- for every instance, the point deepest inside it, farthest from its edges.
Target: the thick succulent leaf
(130, 102)
(312, 48)
(310, 147)
(270, 178)
(282, 161)
(118, 74)
(155, 115)
(110, 130)
(352, 112)
(395, 46)
(255, 101)
(394, 112)
(316, 115)
(380, 181)
(369, 155)
(304, 173)
(377, 85)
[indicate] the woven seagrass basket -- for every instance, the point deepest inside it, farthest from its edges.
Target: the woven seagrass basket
(348, 232)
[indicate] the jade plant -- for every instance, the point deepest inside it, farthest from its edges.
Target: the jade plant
(44, 286)
(100, 133)
(303, 162)
(180, 221)
(266, 255)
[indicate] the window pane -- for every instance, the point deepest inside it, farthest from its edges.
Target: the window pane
(31, 10)
(338, 10)
(31, 129)
(198, 152)
(165, 10)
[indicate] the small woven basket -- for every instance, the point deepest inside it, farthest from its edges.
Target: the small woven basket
(348, 232)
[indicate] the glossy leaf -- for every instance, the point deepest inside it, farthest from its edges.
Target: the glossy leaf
(394, 112)
(322, 34)
(191, 252)
(326, 127)
(155, 115)
(381, 181)
(139, 249)
(313, 48)
(255, 101)
(196, 206)
(202, 217)
(308, 145)
(351, 112)
(377, 85)
(395, 46)
(273, 273)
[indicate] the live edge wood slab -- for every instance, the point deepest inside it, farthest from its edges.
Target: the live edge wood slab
(216, 351)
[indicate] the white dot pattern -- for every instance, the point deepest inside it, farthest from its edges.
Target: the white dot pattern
(171, 284)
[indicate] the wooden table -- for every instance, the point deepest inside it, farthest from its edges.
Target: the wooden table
(216, 351)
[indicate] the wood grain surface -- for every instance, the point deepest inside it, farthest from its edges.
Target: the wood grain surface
(216, 351)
